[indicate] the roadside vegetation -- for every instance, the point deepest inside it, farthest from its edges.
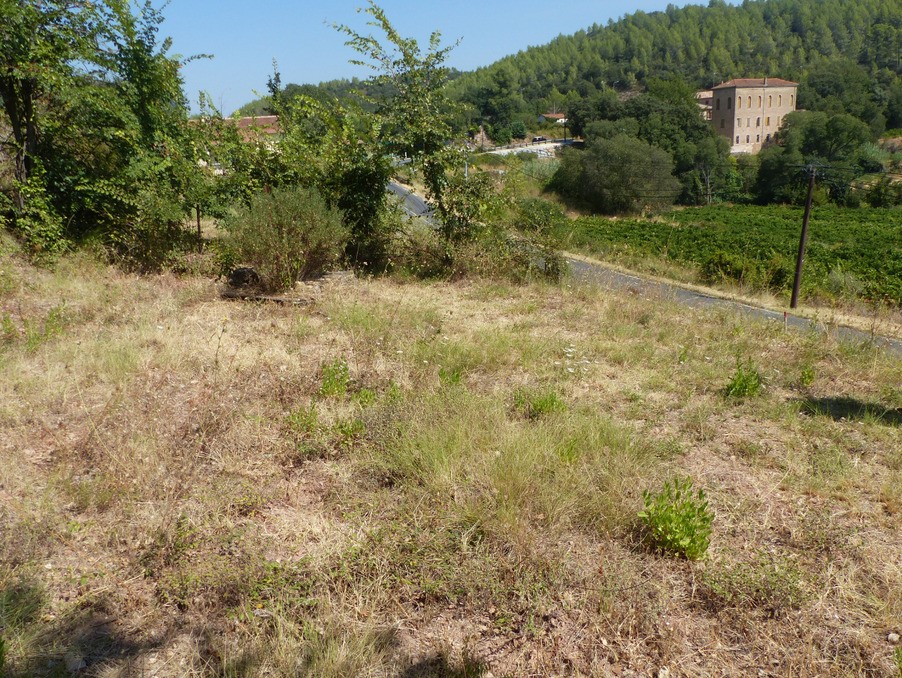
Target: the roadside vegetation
(852, 254)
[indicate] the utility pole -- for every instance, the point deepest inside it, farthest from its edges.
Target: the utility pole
(812, 172)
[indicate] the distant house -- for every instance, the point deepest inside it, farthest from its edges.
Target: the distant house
(558, 118)
(258, 127)
(705, 99)
(749, 111)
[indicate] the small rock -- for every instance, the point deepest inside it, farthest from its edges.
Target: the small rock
(892, 638)
(75, 663)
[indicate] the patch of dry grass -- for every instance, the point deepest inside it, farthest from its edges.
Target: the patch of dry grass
(183, 494)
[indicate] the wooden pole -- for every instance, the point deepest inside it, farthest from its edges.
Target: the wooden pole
(802, 241)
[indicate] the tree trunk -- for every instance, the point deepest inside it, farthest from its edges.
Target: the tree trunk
(19, 106)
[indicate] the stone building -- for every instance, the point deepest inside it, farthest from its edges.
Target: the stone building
(749, 111)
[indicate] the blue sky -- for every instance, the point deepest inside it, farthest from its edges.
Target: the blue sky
(244, 37)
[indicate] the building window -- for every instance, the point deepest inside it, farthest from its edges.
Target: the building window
(792, 100)
(758, 122)
(779, 100)
(767, 138)
(770, 100)
(748, 122)
(757, 138)
(722, 121)
(767, 121)
(738, 103)
(737, 138)
(738, 122)
(717, 104)
(729, 102)
(747, 138)
(750, 101)
(759, 102)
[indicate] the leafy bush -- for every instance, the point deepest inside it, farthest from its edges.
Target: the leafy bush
(494, 254)
(746, 381)
(678, 520)
(287, 235)
(535, 214)
(726, 266)
(39, 225)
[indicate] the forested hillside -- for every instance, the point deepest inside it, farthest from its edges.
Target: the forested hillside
(847, 55)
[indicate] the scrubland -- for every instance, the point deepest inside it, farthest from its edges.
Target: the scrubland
(418, 479)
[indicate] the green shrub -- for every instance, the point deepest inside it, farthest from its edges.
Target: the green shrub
(287, 235)
(39, 225)
(336, 378)
(746, 381)
(678, 520)
(536, 214)
(728, 267)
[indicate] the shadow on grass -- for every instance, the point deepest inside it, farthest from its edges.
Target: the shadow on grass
(439, 666)
(838, 408)
(63, 645)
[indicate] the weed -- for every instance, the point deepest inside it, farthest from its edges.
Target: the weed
(8, 331)
(349, 431)
(536, 405)
(897, 657)
(806, 376)
(450, 376)
(677, 519)
(364, 397)
(746, 381)
(336, 378)
(303, 420)
(36, 333)
(746, 449)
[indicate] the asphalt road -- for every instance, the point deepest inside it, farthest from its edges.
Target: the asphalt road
(613, 279)
(412, 204)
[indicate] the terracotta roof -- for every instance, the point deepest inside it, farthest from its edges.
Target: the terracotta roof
(756, 82)
(554, 116)
(268, 124)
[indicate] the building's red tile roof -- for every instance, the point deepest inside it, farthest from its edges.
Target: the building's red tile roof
(267, 124)
(756, 82)
(554, 116)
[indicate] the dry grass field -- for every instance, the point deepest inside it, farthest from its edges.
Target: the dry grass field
(408, 479)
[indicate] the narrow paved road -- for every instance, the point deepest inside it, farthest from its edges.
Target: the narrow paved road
(411, 203)
(613, 279)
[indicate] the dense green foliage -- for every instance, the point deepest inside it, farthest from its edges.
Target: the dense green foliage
(99, 143)
(623, 174)
(757, 245)
(844, 54)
